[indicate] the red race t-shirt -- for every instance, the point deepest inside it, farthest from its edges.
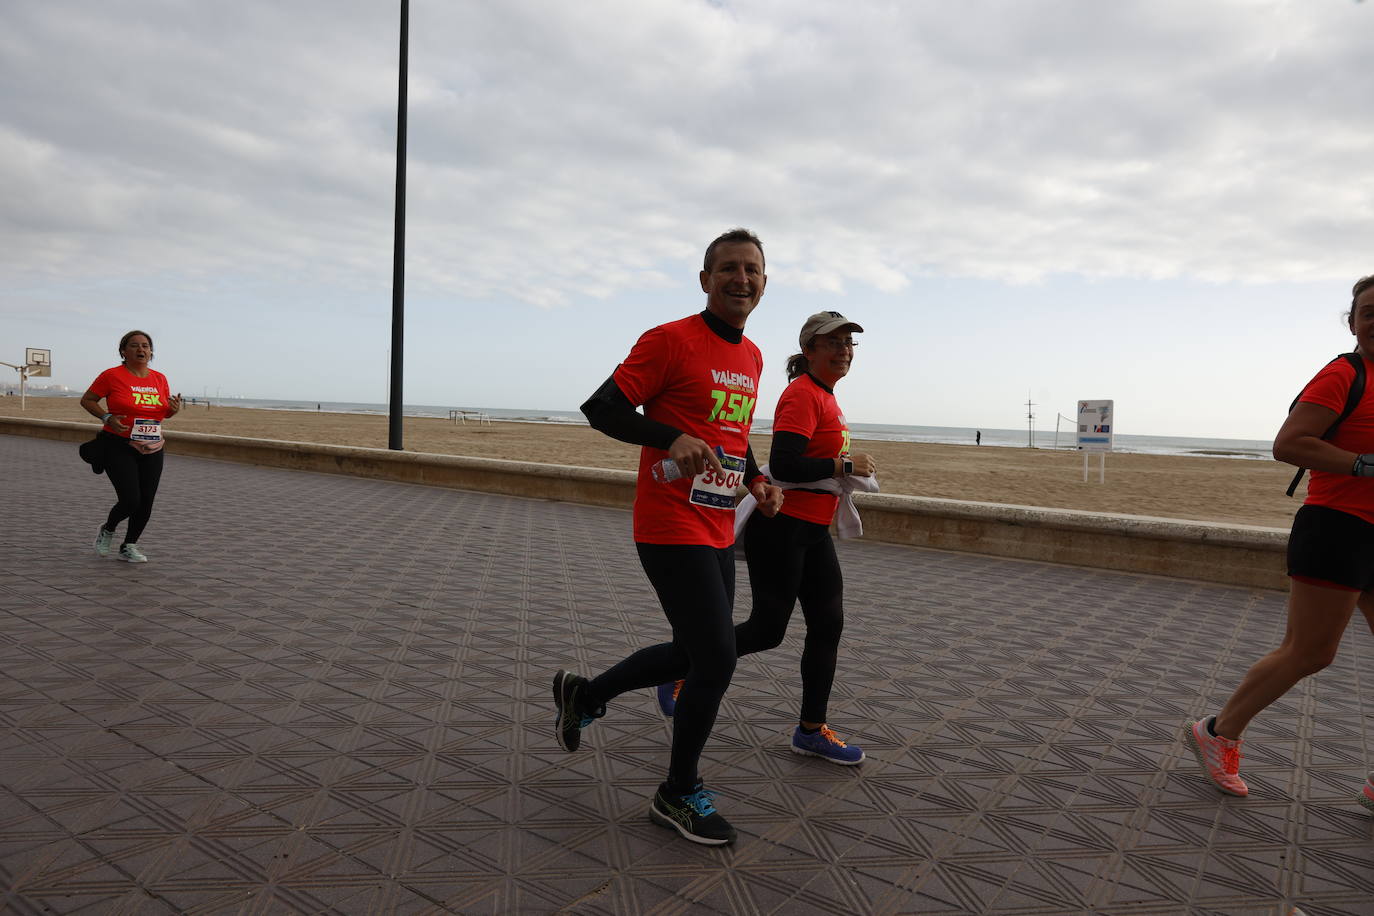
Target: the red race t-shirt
(131, 398)
(1355, 434)
(687, 376)
(807, 409)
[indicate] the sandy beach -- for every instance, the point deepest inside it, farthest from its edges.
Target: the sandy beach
(1229, 491)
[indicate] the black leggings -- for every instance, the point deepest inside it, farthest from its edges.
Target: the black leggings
(135, 477)
(791, 559)
(696, 586)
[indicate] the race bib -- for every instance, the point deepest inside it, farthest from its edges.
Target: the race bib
(146, 431)
(717, 491)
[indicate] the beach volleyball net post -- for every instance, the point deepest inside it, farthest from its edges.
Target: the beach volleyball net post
(1068, 422)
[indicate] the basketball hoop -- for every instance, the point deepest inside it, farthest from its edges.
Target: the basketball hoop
(37, 364)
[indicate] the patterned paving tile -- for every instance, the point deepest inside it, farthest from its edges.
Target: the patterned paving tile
(329, 695)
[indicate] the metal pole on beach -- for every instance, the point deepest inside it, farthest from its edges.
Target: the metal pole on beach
(23, 377)
(398, 269)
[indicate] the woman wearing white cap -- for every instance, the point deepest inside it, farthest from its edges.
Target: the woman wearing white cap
(791, 555)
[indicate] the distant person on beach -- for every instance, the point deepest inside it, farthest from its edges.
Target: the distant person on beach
(977, 437)
(790, 554)
(1330, 550)
(128, 447)
(697, 379)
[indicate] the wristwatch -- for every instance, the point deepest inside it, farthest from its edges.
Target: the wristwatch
(848, 466)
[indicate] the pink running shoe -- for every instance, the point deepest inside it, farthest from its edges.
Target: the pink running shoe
(1219, 756)
(1367, 795)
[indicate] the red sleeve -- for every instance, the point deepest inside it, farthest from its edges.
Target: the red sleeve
(796, 413)
(101, 386)
(643, 373)
(1330, 386)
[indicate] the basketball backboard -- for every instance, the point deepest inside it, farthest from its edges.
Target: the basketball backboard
(39, 362)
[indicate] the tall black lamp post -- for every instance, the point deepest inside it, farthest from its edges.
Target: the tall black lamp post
(398, 268)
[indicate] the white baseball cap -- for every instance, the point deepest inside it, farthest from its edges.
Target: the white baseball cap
(823, 323)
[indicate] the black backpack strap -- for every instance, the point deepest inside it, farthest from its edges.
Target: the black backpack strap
(1352, 400)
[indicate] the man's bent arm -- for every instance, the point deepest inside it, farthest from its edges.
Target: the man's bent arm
(610, 412)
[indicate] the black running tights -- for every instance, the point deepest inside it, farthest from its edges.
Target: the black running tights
(696, 586)
(135, 477)
(791, 559)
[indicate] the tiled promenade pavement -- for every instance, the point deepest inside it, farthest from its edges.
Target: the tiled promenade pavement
(332, 695)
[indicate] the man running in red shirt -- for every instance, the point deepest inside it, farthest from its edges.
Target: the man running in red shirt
(697, 379)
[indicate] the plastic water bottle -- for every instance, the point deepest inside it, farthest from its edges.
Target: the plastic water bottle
(667, 469)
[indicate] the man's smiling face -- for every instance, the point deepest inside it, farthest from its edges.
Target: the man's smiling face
(734, 282)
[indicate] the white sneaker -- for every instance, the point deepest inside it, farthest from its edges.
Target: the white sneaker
(130, 553)
(103, 541)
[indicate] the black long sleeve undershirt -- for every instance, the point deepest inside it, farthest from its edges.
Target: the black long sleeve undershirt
(785, 458)
(786, 461)
(609, 411)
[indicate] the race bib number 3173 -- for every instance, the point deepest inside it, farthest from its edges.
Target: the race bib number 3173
(146, 431)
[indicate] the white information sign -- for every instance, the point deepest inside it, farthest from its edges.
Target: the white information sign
(1095, 422)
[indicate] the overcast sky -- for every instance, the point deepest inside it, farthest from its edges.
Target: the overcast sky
(1162, 202)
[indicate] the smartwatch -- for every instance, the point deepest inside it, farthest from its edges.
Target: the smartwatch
(848, 466)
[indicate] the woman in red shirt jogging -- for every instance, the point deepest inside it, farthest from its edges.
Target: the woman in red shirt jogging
(129, 446)
(791, 556)
(1330, 551)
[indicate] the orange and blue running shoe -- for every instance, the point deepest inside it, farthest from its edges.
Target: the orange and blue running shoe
(824, 744)
(667, 696)
(1219, 757)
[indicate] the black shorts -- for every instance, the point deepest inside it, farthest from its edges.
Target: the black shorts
(1330, 547)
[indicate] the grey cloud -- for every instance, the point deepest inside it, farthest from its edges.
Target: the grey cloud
(986, 139)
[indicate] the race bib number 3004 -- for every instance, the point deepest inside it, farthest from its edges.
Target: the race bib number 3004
(717, 491)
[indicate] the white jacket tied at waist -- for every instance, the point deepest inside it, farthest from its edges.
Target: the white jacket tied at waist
(847, 521)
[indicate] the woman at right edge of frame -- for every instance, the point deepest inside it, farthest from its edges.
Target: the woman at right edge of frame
(1330, 551)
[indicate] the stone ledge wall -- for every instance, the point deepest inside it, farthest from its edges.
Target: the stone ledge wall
(1222, 554)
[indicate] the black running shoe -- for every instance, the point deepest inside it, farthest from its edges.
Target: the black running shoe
(692, 815)
(569, 691)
